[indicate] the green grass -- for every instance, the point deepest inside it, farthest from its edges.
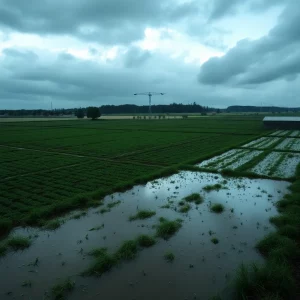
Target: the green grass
(128, 250)
(145, 241)
(169, 256)
(213, 187)
(167, 228)
(264, 282)
(217, 208)
(61, 290)
(113, 204)
(214, 240)
(18, 242)
(197, 198)
(142, 214)
(53, 224)
(104, 263)
(185, 208)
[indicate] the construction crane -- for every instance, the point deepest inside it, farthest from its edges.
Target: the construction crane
(149, 94)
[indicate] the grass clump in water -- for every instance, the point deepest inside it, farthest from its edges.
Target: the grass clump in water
(167, 228)
(103, 263)
(169, 256)
(214, 240)
(18, 242)
(212, 187)
(217, 208)
(145, 241)
(127, 251)
(142, 214)
(53, 225)
(185, 208)
(113, 204)
(197, 198)
(61, 290)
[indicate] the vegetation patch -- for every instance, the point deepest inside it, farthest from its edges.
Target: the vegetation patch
(270, 281)
(142, 214)
(61, 290)
(167, 228)
(213, 187)
(217, 208)
(169, 256)
(185, 208)
(145, 240)
(127, 251)
(214, 240)
(53, 225)
(18, 242)
(197, 198)
(113, 204)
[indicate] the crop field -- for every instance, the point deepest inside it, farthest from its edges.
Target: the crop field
(50, 167)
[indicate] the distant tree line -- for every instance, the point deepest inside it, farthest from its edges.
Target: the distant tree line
(112, 109)
(239, 108)
(156, 109)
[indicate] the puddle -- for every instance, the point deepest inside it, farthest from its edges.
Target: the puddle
(200, 268)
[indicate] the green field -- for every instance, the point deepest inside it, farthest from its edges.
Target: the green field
(48, 168)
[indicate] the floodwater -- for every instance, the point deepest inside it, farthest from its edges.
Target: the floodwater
(200, 268)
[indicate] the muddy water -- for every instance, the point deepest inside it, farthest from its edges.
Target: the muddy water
(200, 268)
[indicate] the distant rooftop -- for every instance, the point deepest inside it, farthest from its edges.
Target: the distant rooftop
(281, 119)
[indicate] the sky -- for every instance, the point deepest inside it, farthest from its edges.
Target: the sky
(82, 53)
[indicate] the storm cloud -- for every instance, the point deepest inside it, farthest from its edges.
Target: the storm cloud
(275, 56)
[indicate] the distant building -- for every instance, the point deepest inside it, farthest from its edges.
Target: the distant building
(282, 122)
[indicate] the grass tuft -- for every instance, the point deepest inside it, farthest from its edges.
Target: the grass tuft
(18, 242)
(167, 228)
(213, 187)
(127, 251)
(185, 208)
(169, 256)
(214, 240)
(217, 208)
(142, 214)
(103, 264)
(53, 225)
(61, 290)
(197, 198)
(145, 241)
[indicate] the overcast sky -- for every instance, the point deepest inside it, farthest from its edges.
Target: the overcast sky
(96, 52)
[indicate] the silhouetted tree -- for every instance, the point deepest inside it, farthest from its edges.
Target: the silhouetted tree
(93, 112)
(79, 113)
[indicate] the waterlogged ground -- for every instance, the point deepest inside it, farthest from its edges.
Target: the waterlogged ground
(200, 268)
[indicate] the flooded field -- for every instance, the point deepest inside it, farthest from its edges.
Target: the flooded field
(207, 248)
(269, 156)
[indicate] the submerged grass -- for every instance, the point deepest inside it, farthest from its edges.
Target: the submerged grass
(18, 242)
(167, 228)
(53, 225)
(142, 214)
(217, 208)
(61, 290)
(169, 256)
(145, 240)
(185, 208)
(195, 197)
(127, 251)
(213, 187)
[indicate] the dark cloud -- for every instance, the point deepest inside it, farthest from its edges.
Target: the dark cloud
(275, 56)
(222, 8)
(105, 21)
(135, 57)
